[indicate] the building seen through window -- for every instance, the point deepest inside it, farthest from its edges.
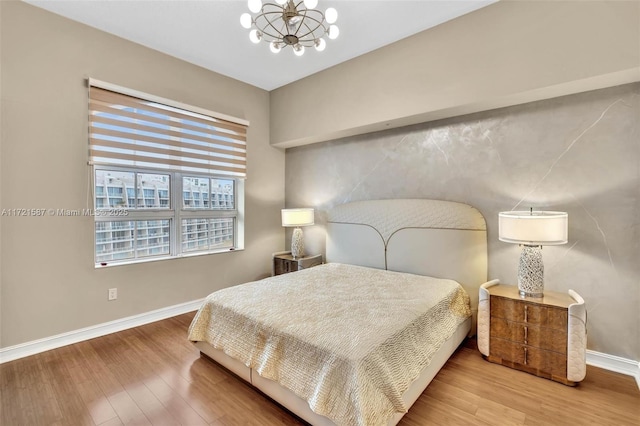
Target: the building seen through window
(118, 240)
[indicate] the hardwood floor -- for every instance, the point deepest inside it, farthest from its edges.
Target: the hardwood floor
(153, 375)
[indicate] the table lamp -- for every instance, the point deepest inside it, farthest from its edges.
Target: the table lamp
(532, 230)
(296, 218)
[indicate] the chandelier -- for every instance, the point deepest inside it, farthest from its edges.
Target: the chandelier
(287, 23)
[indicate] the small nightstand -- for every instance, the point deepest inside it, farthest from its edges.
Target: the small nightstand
(284, 263)
(542, 336)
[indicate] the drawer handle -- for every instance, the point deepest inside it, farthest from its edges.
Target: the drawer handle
(526, 335)
(525, 356)
(526, 313)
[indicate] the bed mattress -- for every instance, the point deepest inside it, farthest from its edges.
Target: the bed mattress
(347, 339)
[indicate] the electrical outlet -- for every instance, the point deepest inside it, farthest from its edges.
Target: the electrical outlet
(113, 293)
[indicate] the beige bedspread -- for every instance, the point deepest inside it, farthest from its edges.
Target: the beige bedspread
(347, 339)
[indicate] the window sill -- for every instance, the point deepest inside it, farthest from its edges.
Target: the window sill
(103, 265)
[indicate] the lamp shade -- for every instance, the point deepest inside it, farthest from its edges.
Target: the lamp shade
(297, 217)
(539, 228)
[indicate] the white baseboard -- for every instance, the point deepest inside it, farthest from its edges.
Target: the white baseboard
(596, 359)
(41, 345)
(614, 363)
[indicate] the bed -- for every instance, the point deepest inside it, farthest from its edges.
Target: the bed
(356, 341)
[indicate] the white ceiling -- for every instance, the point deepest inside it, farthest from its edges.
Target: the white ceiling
(208, 32)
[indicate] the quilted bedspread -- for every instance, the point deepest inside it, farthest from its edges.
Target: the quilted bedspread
(347, 339)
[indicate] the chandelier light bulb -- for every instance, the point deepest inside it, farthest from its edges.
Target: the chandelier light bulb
(334, 32)
(331, 15)
(275, 47)
(310, 4)
(255, 36)
(255, 5)
(320, 44)
(293, 23)
(245, 20)
(298, 49)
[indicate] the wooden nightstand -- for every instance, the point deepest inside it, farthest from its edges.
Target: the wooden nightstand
(542, 336)
(284, 263)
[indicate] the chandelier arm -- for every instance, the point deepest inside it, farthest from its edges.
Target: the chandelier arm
(265, 16)
(281, 34)
(272, 5)
(312, 31)
(269, 22)
(269, 12)
(274, 37)
(306, 16)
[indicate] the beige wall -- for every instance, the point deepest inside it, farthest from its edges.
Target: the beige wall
(48, 282)
(508, 53)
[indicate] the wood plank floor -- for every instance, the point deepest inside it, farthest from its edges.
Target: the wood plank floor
(151, 375)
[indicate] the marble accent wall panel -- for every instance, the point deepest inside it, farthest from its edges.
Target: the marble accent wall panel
(579, 154)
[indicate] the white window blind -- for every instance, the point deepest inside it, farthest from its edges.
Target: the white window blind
(131, 131)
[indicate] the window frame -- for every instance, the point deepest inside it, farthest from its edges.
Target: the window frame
(175, 214)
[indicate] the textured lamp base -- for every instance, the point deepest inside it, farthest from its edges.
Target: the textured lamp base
(297, 243)
(531, 272)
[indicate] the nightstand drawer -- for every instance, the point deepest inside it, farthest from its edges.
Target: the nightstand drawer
(529, 334)
(518, 311)
(529, 358)
(284, 263)
(284, 266)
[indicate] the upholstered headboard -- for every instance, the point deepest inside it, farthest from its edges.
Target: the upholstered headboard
(441, 239)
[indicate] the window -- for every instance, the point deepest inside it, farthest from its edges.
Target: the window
(202, 222)
(168, 181)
